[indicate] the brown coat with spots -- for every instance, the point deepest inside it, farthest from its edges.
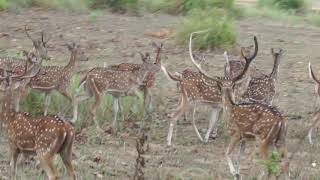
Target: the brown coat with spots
(44, 136)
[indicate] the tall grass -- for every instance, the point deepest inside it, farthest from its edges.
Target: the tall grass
(296, 5)
(221, 28)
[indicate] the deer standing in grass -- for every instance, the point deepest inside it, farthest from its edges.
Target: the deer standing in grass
(244, 121)
(195, 92)
(44, 136)
(57, 77)
(36, 55)
(118, 83)
(149, 80)
(317, 90)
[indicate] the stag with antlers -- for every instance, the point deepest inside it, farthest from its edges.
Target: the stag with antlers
(36, 55)
(58, 77)
(245, 121)
(117, 82)
(194, 91)
(43, 135)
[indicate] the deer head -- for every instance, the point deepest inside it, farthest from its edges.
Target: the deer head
(39, 45)
(315, 79)
(77, 52)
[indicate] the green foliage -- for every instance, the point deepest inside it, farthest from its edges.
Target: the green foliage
(33, 103)
(116, 5)
(272, 164)
(184, 6)
(297, 5)
(3, 4)
(221, 28)
(57, 4)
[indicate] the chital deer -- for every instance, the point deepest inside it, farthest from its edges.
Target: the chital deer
(38, 53)
(195, 92)
(262, 88)
(118, 83)
(317, 90)
(43, 135)
(149, 80)
(57, 77)
(249, 120)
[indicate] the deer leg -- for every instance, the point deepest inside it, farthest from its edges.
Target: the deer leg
(65, 93)
(212, 123)
(310, 136)
(13, 162)
(181, 109)
(147, 99)
(193, 109)
(17, 101)
(46, 103)
(214, 133)
(76, 101)
(233, 141)
(47, 164)
(116, 107)
(66, 156)
(241, 151)
(94, 109)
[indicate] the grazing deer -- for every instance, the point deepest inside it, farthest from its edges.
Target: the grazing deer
(118, 83)
(253, 120)
(44, 136)
(57, 77)
(317, 90)
(149, 80)
(38, 53)
(194, 91)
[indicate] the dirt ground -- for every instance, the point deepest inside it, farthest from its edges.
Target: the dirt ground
(111, 39)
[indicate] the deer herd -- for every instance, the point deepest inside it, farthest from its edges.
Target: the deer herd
(243, 97)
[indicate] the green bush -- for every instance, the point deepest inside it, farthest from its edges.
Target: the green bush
(57, 4)
(297, 5)
(184, 6)
(116, 5)
(3, 4)
(272, 164)
(221, 28)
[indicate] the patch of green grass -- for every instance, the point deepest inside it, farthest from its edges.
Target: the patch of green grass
(313, 19)
(56, 4)
(296, 5)
(221, 29)
(3, 4)
(121, 6)
(272, 164)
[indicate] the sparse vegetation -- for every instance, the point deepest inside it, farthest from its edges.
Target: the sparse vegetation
(221, 31)
(295, 5)
(271, 165)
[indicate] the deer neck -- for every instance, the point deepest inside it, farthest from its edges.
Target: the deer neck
(227, 103)
(274, 72)
(72, 63)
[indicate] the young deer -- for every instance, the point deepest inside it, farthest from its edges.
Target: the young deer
(149, 80)
(43, 135)
(119, 83)
(57, 77)
(38, 53)
(194, 91)
(249, 120)
(317, 90)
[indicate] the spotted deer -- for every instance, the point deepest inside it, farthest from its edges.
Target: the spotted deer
(195, 92)
(253, 120)
(317, 90)
(149, 80)
(57, 77)
(118, 83)
(38, 53)
(44, 136)
(262, 88)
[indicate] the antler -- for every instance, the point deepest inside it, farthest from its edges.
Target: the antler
(311, 74)
(159, 48)
(248, 60)
(198, 66)
(28, 35)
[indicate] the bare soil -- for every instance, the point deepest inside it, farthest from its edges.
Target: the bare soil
(111, 39)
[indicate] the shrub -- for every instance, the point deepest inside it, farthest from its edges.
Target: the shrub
(297, 5)
(221, 28)
(272, 164)
(116, 5)
(3, 4)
